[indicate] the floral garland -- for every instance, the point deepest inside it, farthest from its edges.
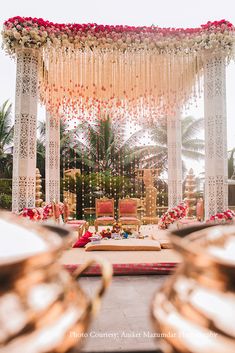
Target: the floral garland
(172, 215)
(222, 217)
(27, 32)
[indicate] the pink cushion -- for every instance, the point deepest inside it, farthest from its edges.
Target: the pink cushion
(80, 243)
(74, 226)
(76, 221)
(104, 207)
(105, 219)
(128, 219)
(189, 221)
(128, 207)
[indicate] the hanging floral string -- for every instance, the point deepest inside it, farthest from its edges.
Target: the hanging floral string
(137, 70)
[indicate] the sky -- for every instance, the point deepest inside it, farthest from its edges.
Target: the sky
(164, 13)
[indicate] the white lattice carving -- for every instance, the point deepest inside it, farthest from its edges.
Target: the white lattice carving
(24, 155)
(216, 173)
(52, 158)
(174, 160)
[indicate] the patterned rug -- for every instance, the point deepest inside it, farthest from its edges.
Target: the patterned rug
(125, 262)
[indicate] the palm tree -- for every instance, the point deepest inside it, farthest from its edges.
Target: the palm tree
(102, 146)
(231, 163)
(155, 155)
(6, 138)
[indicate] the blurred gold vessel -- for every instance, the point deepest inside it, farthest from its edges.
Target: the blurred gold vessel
(42, 307)
(195, 310)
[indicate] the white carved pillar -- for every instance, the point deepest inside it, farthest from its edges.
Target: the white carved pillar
(216, 168)
(174, 160)
(52, 158)
(25, 128)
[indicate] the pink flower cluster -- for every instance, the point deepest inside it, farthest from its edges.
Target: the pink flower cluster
(34, 214)
(172, 215)
(41, 213)
(31, 32)
(222, 217)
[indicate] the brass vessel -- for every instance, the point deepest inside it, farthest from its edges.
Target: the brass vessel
(195, 310)
(42, 307)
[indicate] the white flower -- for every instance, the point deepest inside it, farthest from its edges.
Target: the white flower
(37, 38)
(17, 35)
(25, 39)
(9, 32)
(33, 33)
(65, 42)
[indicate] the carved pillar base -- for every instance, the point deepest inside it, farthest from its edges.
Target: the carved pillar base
(24, 154)
(52, 158)
(216, 169)
(174, 160)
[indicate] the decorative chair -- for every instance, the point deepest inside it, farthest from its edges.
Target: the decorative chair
(127, 210)
(104, 209)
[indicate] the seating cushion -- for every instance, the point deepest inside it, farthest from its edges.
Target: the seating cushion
(128, 219)
(124, 245)
(127, 207)
(162, 236)
(104, 207)
(76, 221)
(81, 242)
(74, 226)
(105, 219)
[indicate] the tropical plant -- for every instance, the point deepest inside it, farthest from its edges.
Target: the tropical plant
(6, 138)
(155, 154)
(231, 163)
(103, 147)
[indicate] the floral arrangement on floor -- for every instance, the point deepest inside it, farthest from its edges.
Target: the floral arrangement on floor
(172, 215)
(42, 213)
(33, 214)
(222, 217)
(27, 32)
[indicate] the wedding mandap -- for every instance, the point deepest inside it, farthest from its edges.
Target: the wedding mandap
(140, 74)
(89, 75)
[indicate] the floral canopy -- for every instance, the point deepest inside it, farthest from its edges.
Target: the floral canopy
(88, 70)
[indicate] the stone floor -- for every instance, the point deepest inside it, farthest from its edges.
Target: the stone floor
(123, 323)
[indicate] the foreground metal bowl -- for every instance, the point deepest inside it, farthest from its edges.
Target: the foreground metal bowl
(194, 311)
(42, 307)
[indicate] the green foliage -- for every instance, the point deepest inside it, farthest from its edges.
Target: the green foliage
(6, 186)
(231, 163)
(98, 185)
(5, 201)
(6, 138)
(155, 155)
(5, 193)
(105, 139)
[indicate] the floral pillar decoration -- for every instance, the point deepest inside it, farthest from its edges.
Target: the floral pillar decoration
(52, 158)
(216, 169)
(24, 154)
(174, 160)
